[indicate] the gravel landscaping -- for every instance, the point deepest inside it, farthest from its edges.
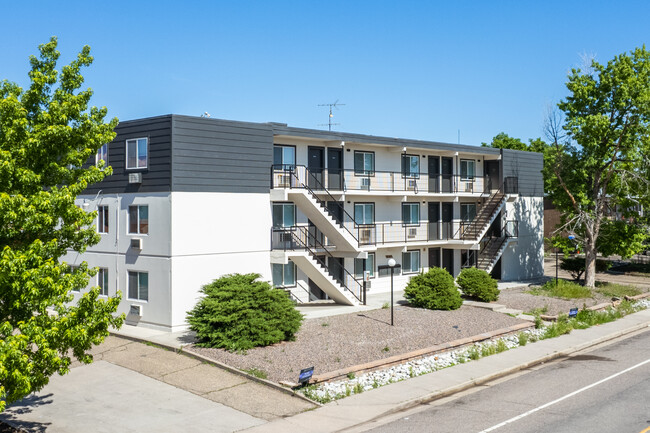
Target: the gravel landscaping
(336, 342)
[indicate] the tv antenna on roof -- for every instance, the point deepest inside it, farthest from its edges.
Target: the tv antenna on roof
(334, 105)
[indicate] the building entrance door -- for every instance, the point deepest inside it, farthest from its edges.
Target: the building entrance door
(334, 169)
(315, 167)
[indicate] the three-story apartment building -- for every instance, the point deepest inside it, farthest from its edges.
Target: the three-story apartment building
(315, 212)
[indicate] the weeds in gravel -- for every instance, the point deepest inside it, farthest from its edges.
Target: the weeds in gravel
(358, 388)
(563, 289)
(385, 306)
(324, 324)
(522, 338)
(538, 322)
(501, 346)
(386, 349)
(261, 374)
(351, 375)
(616, 290)
(473, 353)
(538, 311)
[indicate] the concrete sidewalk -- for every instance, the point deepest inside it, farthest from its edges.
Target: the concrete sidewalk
(351, 412)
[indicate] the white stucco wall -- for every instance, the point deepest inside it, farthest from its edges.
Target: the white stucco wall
(524, 259)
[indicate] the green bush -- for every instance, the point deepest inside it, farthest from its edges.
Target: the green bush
(478, 284)
(576, 266)
(239, 313)
(434, 290)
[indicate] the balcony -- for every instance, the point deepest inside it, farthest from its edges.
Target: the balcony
(299, 176)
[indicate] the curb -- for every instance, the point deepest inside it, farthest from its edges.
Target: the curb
(226, 367)
(420, 353)
(480, 381)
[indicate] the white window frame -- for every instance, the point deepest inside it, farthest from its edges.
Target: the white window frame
(284, 164)
(284, 268)
(102, 155)
(102, 281)
(406, 168)
(139, 297)
(103, 217)
(410, 253)
(137, 142)
(370, 266)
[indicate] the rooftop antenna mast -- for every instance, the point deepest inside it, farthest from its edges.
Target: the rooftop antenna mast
(334, 105)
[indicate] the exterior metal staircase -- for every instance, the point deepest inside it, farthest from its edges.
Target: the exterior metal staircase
(313, 258)
(476, 229)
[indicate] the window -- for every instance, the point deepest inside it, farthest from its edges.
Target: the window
(138, 220)
(411, 213)
(364, 213)
(284, 275)
(467, 211)
(139, 286)
(102, 219)
(136, 153)
(411, 261)
(467, 169)
(284, 157)
(364, 163)
(102, 281)
(411, 166)
(102, 155)
(370, 266)
(284, 215)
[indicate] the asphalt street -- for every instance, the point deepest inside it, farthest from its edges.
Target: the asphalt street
(606, 389)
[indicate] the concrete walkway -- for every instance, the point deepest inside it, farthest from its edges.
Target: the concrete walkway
(350, 413)
(137, 387)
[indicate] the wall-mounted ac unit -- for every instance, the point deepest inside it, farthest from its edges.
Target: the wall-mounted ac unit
(412, 233)
(284, 180)
(135, 310)
(285, 236)
(365, 235)
(365, 183)
(136, 243)
(413, 184)
(135, 177)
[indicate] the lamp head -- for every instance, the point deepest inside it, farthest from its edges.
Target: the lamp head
(392, 263)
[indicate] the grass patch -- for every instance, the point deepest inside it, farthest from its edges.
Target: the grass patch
(261, 374)
(564, 289)
(616, 290)
(538, 311)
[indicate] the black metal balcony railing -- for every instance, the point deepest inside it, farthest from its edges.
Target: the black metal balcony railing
(299, 176)
(301, 238)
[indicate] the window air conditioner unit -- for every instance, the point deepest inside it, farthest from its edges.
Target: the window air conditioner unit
(284, 180)
(135, 310)
(365, 183)
(412, 233)
(364, 236)
(136, 243)
(412, 184)
(285, 236)
(135, 177)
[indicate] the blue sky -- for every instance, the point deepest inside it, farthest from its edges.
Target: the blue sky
(411, 69)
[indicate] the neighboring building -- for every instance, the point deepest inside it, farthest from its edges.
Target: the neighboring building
(192, 199)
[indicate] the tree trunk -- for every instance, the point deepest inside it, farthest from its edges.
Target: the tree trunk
(590, 263)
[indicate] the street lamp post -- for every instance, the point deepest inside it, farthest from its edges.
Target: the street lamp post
(391, 264)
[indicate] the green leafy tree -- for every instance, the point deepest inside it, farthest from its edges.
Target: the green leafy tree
(599, 150)
(239, 313)
(504, 141)
(47, 133)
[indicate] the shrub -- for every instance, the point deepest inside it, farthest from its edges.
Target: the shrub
(239, 313)
(576, 266)
(434, 290)
(478, 284)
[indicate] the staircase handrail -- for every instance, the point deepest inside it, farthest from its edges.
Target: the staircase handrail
(464, 228)
(318, 245)
(306, 186)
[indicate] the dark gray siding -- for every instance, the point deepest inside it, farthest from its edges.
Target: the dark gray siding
(281, 129)
(213, 155)
(157, 176)
(527, 167)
